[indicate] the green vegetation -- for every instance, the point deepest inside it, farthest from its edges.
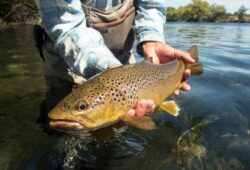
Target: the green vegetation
(202, 11)
(241, 13)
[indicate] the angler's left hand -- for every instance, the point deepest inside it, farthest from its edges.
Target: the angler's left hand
(163, 53)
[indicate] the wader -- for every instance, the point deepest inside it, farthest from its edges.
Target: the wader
(116, 27)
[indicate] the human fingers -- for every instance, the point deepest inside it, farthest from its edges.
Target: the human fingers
(144, 107)
(183, 55)
(186, 74)
(185, 87)
(167, 53)
(131, 112)
(177, 92)
(150, 107)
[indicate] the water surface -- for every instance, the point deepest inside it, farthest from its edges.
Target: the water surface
(212, 132)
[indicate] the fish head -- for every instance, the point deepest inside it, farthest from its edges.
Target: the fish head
(88, 107)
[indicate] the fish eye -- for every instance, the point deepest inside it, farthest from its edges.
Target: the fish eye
(82, 106)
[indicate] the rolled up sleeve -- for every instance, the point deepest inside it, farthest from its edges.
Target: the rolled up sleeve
(149, 21)
(82, 48)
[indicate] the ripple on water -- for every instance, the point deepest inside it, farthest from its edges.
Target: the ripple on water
(221, 96)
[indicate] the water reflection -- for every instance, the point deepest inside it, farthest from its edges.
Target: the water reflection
(84, 151)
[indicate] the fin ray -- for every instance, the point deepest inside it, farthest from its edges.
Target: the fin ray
(171, 107)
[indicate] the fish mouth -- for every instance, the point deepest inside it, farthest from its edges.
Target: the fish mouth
(66, 125)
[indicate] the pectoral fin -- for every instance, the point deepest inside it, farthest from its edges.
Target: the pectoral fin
(171, 107)
(141, 122)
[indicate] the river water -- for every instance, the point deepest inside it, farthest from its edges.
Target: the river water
(212, 132)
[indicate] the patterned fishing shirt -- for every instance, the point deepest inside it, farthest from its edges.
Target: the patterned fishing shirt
(82, 47)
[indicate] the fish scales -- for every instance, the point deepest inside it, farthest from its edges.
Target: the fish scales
(105, 98)
(144, 80)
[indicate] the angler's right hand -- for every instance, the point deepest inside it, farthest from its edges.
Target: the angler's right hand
(163, 53)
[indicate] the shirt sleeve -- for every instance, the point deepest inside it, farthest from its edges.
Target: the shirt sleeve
(82, 48)
(150, 20)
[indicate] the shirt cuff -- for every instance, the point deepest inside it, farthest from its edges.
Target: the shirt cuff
(99, 61)
(148, 36)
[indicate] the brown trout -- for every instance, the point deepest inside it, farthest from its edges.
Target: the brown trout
(104, 99)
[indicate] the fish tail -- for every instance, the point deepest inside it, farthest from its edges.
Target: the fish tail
(196, 68)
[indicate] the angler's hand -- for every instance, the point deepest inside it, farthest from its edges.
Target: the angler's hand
(163, 53)
(142, 108)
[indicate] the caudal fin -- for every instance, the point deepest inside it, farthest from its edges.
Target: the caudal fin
(196, 68)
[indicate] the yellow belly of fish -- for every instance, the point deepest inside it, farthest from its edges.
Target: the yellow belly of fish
(109, 116)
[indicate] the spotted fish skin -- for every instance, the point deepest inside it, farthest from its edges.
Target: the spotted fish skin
(143, 81)
(104, 99)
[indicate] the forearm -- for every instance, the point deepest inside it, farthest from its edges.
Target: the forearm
(82, 48)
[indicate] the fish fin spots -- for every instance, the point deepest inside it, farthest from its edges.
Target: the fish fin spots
(141, 122)
(171, 107)
(197, 68)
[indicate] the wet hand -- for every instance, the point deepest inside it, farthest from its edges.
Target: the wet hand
(142, 108)
(163, 53)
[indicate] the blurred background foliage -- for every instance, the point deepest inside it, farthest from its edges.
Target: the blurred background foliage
(202, 11)
(18, 10)
(25, 11)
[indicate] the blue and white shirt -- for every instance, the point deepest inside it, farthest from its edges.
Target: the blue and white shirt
(82, 47)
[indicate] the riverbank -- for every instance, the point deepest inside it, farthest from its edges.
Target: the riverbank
(4, 24)
(18, 13)
(231, 19)
(234, 18)
(225, 19)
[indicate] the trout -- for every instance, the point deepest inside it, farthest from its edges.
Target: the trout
(104, 99)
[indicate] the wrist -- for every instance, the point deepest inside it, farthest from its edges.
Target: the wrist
(141, 47)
